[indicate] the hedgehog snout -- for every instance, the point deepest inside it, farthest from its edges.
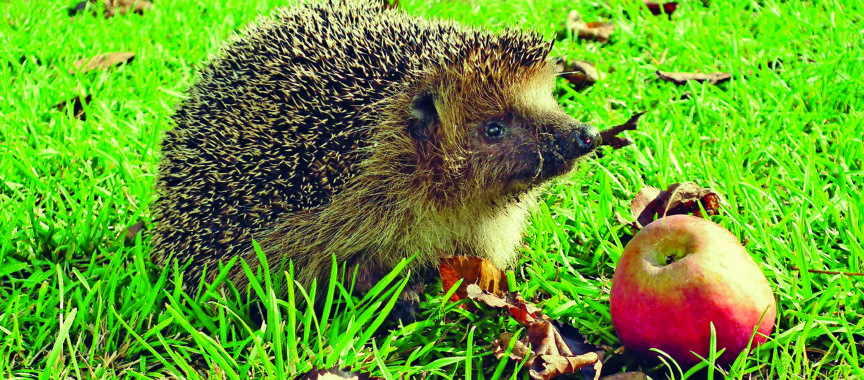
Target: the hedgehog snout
(583, 139)
(573, 142)
(565, 146)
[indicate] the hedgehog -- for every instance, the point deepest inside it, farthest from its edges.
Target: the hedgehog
(351, 130)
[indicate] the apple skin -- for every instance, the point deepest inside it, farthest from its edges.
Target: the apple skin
(710, 278)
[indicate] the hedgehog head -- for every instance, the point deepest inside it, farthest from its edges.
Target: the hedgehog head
(487, 127)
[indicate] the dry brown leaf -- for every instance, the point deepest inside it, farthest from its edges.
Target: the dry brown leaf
(390, 4)
(610, 136)
(521, 310)
(592, 31)
(131, 232)
(580, 74)
(620, 218)
(519, 351)
(556, 365)
(114, 7)
(626, 376)
(579, 345)
(658, 8)
(102, 61)
(545, 339)
(336, 374)
(549, 354)
(77, 106)
(647, 202)
(679, 198)
(682, 78)
(473, 270)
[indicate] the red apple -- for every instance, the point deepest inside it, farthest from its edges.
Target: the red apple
(679, 274)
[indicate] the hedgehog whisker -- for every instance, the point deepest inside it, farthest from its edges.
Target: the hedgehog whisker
(539, 166)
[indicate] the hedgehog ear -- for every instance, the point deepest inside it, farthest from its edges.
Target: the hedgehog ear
(423, 116)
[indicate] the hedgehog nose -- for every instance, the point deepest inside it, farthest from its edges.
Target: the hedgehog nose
(584, 138)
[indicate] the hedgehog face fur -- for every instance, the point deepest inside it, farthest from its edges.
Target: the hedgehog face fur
(493, 139)
(346, 130)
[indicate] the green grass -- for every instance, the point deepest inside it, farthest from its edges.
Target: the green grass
(783, 147)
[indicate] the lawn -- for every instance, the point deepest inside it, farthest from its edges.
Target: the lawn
(782, 143)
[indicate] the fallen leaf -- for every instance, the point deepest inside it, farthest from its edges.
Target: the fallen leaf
(831, 272)
(390, 4)
(579, 345)
(592, 31)
(552, 366)
(679, 198)
(131, 232)
(77, 106)
(610, 136)
(626, 376)
(658, 8)
(681, 78)
(102, 61)
(473, 270)
(620, 218)
(580, 74)
(113, 7)
(522, 311)
(549, 355)
(335, 374)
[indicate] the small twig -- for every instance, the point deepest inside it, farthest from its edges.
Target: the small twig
(630, 125)
(610, 137)
(817, 271)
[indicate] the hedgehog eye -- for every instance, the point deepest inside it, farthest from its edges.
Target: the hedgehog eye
(494, 130)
